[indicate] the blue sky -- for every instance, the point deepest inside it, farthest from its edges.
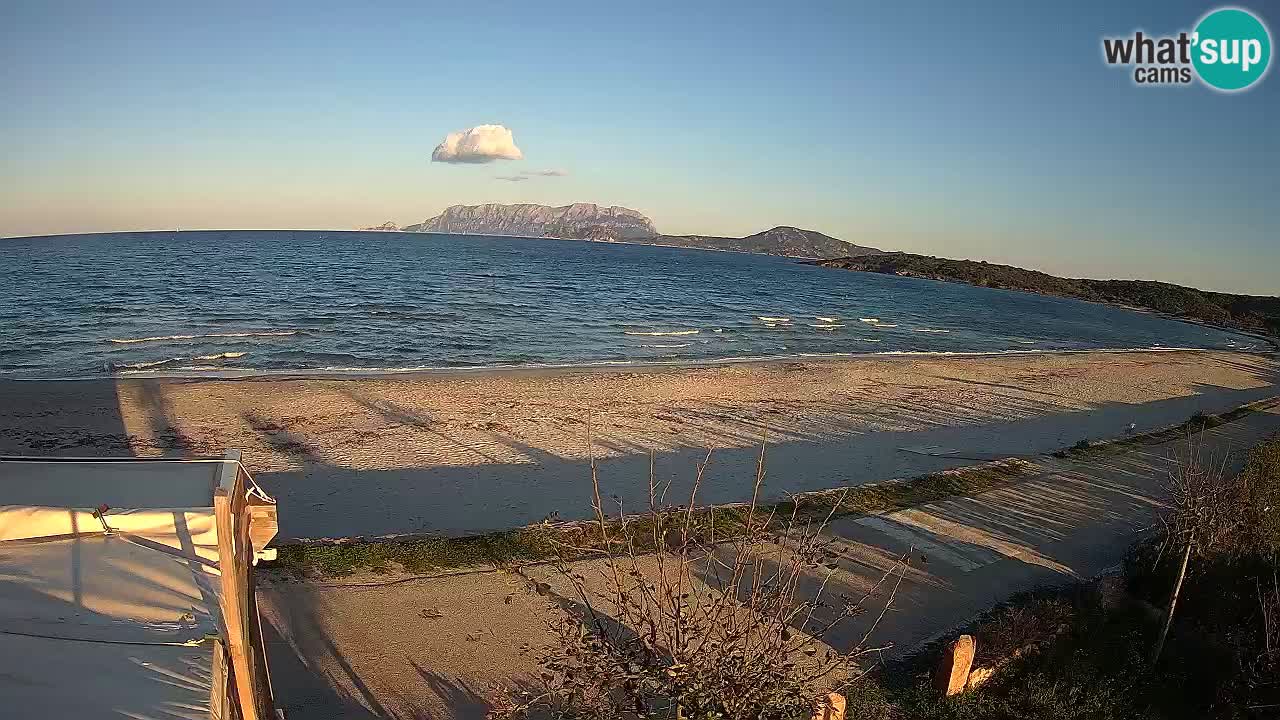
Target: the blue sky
(991, 132)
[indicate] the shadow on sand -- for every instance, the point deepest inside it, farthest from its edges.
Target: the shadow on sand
(328, 500)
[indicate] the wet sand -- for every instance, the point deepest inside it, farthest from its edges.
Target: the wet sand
(463, 452)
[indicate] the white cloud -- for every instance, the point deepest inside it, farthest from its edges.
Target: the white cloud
(480, 144)
(531, 174)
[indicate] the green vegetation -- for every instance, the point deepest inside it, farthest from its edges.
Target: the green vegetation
(1086, 649)
(1082, 661)
(1199, 421)
(1246, 312)
(548, 541)
(415, 555)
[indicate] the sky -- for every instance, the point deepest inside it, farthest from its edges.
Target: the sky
(987, 131)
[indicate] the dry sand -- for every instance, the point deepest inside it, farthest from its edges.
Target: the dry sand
(464, 452)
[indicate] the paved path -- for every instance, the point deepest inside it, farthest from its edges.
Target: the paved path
(1074, 520)
(444, 647)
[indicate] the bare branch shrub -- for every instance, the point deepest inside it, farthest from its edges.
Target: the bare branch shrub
(1217, 516)
(1207, 508)
(701, 613)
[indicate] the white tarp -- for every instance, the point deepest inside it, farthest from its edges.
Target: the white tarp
(111, 625)
(124, 484)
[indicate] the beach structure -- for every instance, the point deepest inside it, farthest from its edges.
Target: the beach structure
(127, 591)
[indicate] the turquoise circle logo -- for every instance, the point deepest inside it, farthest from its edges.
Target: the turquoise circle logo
(1231, 49)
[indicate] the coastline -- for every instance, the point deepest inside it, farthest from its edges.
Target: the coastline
(1273, 341)
(803, 259)
(462, 452)
(647, 365)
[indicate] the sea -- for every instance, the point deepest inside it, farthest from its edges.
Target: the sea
(230, 303)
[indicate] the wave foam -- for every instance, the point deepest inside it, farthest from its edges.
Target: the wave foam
(831, 326)
(772, 319)
(145, 365)
(161, 338)
(826, 319)
(925, 330)
(660, 333)
(221, 356)
(667, 345)
(214, 371)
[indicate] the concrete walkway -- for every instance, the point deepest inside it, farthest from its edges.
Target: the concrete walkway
(448, 647)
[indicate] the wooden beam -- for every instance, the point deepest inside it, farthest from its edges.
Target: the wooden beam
(263, 525)
(227, 477)
(218, 680)
(234, 604)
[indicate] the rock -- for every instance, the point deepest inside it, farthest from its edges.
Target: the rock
(579, 220)
(979, 676)
(830, 708)
(952, 675)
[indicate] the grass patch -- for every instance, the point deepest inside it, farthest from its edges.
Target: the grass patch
(1198, 422)
(413, 555)
(544, 542)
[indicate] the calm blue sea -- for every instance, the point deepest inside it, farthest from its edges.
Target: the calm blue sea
(269, 301)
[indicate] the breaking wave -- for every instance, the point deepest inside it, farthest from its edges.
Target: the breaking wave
(146, 365)
(656, 333)
(162, 338)
(170, 362)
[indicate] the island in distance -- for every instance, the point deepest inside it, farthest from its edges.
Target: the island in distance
(587, 221)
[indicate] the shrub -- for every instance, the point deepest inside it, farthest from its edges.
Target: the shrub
(707, 627)
(1261, 481)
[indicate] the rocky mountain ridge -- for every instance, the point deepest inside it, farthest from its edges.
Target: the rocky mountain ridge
(587, 221)
(530, 220)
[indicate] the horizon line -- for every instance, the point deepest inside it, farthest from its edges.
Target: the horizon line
(629, 242)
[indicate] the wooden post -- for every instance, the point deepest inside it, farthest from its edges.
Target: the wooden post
(234, 604)
(952, 674)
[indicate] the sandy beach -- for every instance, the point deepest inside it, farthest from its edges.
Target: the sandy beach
(465, 452)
